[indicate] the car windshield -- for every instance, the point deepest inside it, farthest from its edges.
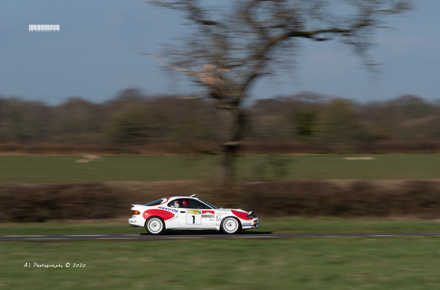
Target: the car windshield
(213, 206)
(156, 202)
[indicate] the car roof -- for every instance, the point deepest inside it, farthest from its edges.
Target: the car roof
(189, 197)
(174, 197)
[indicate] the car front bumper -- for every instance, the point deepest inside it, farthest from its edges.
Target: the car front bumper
(254, 224)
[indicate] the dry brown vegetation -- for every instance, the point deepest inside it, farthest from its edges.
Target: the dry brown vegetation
(342, 198)
(163, 148)
(415, 198)
(209, 147)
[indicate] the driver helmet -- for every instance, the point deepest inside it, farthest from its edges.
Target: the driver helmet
(176, 203)
(185, 203)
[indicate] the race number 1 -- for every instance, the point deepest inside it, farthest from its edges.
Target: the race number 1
(194, 217)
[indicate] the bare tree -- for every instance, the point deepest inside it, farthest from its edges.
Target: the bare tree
(243, 40)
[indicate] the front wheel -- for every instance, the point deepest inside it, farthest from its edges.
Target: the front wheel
(154, 225)
(230, 225)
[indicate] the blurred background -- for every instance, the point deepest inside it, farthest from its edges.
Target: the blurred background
(339, 134)
(137, 123)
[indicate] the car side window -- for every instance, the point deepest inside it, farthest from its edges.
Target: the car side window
(203, 206)
(184, 203)
(156, 202)
(193, 204)
(187, 203)
(175, 203)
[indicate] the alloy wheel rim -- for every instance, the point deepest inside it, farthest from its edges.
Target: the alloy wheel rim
(155, 226)
(231, 225)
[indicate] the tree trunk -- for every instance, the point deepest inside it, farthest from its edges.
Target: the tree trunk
(227, 165)
(230, 130)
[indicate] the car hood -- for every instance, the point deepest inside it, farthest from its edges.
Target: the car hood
(236, 209)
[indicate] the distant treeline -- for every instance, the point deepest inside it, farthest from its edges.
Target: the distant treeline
(135, 123)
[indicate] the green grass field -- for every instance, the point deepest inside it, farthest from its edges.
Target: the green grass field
(60, 169)
(302, 263)
(365, 263)
(276, 225)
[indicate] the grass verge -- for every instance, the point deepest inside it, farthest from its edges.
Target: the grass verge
(303, 263)
(277, 225)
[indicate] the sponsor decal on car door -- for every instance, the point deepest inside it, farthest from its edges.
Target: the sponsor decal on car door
(193, 217)
(208, 217)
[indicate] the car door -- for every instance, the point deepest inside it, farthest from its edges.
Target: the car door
(208, 216)
(190, 213)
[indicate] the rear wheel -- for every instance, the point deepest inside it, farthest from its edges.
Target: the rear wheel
(154, 225)
(230, 225)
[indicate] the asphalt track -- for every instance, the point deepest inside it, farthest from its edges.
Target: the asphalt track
(174, 235)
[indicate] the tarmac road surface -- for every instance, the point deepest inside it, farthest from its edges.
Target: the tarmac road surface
(182, 235)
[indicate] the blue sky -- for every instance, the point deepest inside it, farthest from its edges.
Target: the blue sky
(93, 54)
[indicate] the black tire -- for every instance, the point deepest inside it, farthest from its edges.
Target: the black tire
(154, 225)
(230, 225)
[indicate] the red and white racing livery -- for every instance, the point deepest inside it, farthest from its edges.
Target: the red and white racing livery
(189, 213)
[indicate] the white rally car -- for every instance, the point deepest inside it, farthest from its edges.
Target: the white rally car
(189, 213)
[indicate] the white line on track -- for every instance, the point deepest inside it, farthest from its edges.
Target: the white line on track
(178, 238)
(318, 236)
(23, 236)
(253, 237)
(46, 239)
(382, 236)
(85, 235)
(115, 238)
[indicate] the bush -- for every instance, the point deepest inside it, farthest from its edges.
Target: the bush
(42, 202)
(419, 198)
(38, 203)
